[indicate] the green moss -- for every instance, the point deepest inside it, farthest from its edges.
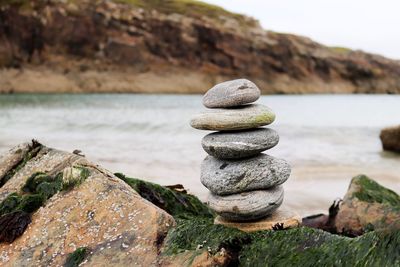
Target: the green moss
(33, 150)
(9, 204)
(311, 247)
(372, 192)
(204, 235)
(76, 257)
(178, 204)
(295, 247)
(191, 8)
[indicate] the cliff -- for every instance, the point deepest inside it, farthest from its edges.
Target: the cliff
(170, 46)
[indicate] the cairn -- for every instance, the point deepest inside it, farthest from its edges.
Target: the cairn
(244, 184)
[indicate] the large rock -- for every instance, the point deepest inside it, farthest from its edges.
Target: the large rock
(94, 215)
(231, 94)
(241, 118)
(247, 206)
(367, 206)
(224, 177)
(237, 145)
(390, 138)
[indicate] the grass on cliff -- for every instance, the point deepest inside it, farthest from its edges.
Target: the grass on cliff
(191, 8)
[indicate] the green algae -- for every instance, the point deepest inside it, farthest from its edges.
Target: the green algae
(178, 204)
(76, 257)
(372, 192)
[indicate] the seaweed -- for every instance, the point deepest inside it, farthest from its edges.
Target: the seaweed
(76, 257)
(13, 225)
(177, 203)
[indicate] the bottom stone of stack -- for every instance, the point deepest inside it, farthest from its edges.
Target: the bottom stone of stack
(280, 219)
(247, 206)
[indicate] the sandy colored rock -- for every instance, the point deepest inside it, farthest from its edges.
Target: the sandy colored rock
(237, 145)
(390, 138)
(247, 206)
(231, 94)
(281, 219)
(103, 214)
(241, 118)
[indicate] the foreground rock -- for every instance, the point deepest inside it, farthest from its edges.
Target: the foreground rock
(91, 212)
(223, 177)
(237, 145)
(390, 138)
(240, 118)
(367, 206)
(195, 241)
(231, 94)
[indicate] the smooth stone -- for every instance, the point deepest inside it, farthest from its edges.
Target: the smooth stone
(238, 145)
(224, 177)
(231, 94)
(247, 206)
(281, 219)
(241, 118)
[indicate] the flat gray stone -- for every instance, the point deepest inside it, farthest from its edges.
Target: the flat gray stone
(247, 206)
(238, 145)
(231, 94)
(225, 177)
(241, 118)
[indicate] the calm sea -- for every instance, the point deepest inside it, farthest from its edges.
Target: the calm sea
(327, 139)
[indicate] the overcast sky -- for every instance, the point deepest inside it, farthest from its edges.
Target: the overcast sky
(369, 25)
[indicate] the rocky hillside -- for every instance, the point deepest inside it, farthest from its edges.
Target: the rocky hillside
(173, 46)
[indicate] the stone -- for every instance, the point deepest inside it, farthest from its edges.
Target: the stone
(102, 214)
(241, 118)
(231, 94)
(247, 206)
(280, 219)
(390, 138)
(237, 145)
(367, 206)
(224, 177)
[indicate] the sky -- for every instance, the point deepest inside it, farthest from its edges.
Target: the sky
(369, 25)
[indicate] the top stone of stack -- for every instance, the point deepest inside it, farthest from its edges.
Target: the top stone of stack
(231, 94)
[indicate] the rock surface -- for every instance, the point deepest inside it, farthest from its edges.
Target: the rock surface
(241, 118)
(390, 138)
(126, 46)
(237, 145)
(279, 220)
(247, 206)
(231, 94)
(367, 206)
(101, 213)
(224, 177)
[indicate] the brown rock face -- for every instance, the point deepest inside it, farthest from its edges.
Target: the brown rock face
(153, 46)
(100, 213)
(390, 138)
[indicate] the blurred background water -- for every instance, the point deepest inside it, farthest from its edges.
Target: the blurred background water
(327, 139)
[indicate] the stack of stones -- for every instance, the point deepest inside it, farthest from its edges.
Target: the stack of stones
(244, 184)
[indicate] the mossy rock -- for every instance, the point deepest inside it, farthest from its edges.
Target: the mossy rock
(367, 205)
(178, 204)
(295, 247)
